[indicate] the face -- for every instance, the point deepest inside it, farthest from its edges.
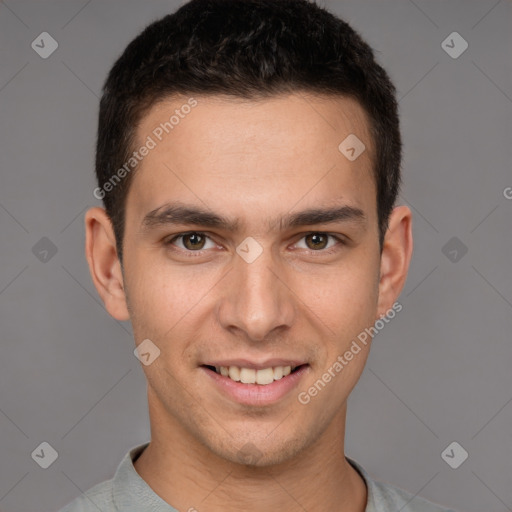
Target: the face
(251, 251)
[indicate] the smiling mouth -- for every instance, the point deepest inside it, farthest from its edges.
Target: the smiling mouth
(262, 377)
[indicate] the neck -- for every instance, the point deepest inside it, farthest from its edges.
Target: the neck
(189, 476)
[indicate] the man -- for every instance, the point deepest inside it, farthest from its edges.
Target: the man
(248, 158)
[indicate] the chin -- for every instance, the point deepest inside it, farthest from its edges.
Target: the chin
(252, 451)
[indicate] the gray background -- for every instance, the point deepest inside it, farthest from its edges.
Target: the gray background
(439, 372)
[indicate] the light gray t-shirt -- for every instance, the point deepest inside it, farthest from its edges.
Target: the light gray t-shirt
(128, 492)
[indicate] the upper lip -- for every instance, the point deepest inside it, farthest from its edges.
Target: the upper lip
(260, 365)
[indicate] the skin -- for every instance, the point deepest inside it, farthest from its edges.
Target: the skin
(253, 161)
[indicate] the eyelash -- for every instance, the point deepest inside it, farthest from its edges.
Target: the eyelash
(192, 254)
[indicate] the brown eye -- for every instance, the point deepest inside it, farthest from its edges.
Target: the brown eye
(193, 241)
(316, 241)
(321, 243)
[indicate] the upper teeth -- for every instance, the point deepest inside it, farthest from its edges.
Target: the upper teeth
(251, 376)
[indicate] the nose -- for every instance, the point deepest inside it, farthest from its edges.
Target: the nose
(256, 299)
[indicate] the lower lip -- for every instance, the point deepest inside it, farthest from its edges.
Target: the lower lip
(257, 394)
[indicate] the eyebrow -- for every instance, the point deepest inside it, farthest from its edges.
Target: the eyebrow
(178, 213)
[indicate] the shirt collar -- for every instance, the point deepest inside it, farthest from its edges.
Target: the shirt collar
(130, 492)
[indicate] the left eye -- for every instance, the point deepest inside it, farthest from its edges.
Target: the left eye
(319, 241)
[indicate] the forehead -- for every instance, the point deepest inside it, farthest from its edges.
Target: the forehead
(254, 157)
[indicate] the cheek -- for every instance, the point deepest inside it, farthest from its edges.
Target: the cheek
(158, 298)
(169, 304)
(344, 298)
(162, 307)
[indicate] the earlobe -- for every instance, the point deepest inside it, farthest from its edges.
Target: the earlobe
(104, 264)
(395, 258)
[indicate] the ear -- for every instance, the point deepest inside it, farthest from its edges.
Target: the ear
(395, 258)
(104, 264)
